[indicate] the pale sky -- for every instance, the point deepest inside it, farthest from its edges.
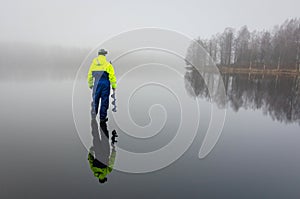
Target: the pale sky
(85, 23)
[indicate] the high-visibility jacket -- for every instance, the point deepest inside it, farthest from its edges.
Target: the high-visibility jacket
(101, 64)
(102, 172)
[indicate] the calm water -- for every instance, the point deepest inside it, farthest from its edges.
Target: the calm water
(257, 155)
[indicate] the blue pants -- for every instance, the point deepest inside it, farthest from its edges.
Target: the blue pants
(101, 90)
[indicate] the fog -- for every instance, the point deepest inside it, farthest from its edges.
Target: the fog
(86, 23)
(27, 61)
(50, 39)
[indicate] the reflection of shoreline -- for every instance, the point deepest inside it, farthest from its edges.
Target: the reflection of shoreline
(277, 96)
(239, 70)
(249, 71)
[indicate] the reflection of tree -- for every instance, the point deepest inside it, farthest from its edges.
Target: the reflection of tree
(276, 96)
(196, 85)
(207, 85)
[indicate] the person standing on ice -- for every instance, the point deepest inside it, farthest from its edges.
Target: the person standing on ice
(101, 76)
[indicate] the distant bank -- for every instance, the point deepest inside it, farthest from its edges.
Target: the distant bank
(240, 70)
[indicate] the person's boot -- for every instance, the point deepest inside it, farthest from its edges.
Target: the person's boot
(103, 120)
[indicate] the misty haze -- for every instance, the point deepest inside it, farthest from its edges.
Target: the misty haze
(47, 47)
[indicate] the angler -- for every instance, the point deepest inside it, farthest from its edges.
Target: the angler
(101, 77)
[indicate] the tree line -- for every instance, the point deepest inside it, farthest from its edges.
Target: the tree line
(276, 49)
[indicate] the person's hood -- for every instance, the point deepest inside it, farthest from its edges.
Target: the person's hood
(102, 59)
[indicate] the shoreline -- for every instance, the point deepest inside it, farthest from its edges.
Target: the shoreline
(238, 70)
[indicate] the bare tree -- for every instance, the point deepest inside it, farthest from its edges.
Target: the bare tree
(226, 40)
(242, 47)
(265, 49)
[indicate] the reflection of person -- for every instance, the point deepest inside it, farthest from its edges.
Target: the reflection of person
(101, 74)
(100, 160)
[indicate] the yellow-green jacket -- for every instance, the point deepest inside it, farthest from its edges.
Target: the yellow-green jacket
(101, 173)
(101, 64)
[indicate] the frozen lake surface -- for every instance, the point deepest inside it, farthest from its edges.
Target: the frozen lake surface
(257, 155)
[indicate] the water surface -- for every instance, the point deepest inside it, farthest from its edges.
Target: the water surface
(257, 155)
